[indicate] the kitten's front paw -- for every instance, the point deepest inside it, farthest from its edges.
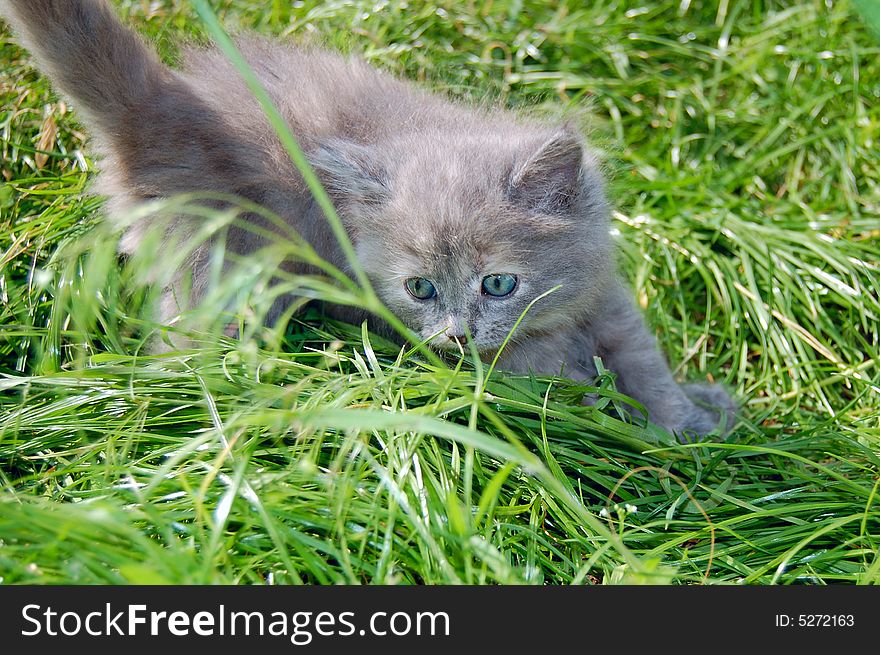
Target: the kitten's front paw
(712, 409)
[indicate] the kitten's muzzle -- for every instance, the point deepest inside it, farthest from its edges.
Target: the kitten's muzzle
(460, 339)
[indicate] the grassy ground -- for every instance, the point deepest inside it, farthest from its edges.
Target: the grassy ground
(741, 137)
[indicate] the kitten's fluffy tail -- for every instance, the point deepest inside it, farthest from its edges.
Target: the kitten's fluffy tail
(93, 59)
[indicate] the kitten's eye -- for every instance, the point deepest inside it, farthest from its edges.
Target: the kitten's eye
(420, 288)
(500, 284)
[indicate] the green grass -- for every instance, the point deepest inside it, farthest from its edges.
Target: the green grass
(741, 138)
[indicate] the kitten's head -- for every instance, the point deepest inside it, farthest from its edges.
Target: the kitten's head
(460, 234)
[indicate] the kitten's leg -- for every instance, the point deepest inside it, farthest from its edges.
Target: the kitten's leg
(567, 353)
(629, 350)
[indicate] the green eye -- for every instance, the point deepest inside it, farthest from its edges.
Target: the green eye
(500, 284)
(420, 288)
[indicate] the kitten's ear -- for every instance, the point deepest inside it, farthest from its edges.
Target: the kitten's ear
(350, 173)
(548, 179)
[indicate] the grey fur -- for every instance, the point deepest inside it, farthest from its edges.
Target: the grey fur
(425, 187)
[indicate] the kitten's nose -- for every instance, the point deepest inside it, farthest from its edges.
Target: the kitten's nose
(460, 339)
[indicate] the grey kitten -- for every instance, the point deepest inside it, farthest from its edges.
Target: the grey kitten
(460, 216)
